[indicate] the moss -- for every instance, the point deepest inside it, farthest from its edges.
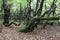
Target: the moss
(30, 24)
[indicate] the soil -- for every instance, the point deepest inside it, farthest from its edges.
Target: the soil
(12, 33)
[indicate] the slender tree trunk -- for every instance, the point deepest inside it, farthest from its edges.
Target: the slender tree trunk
(41, 7)
(37, 4)
(29, 10)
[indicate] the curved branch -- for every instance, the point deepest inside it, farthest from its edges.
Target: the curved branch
(12, 23)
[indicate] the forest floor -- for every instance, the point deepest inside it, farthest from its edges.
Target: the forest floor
(49, 33)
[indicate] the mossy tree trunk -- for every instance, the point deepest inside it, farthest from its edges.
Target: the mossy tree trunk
(31, 23)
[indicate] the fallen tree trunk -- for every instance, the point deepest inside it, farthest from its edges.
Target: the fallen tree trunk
(46, 18)
(30, 24)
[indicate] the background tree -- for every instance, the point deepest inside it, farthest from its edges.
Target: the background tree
(6, 8)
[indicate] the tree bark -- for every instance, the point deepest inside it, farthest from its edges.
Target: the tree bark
(6, 12)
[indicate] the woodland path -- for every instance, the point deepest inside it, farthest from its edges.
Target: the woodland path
(49, 33)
